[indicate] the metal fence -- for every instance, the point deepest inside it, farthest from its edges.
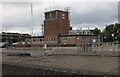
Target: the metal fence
(106, 47)
(79, 47)
(84, 47)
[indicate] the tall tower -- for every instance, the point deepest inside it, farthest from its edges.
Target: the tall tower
(56, 22)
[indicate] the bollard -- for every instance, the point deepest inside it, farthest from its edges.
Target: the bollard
(45, 46)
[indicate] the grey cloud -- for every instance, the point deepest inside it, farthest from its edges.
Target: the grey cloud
(81, 14)
(98, 15)
(19, 4)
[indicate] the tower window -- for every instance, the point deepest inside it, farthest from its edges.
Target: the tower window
(49, 39)
(54, 38)
(53, 15)
(47, 16)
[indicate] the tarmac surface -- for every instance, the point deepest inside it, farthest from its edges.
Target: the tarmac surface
(77, 63)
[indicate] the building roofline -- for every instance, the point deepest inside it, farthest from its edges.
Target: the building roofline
(78, 35)
(55, 10)
(37, 36)
(14, 35)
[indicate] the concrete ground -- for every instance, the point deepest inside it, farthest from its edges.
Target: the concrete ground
(104, 64)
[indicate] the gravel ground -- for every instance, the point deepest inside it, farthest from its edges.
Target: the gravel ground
(76, 63)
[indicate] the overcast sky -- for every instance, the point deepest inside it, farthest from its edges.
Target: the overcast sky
(16, 16)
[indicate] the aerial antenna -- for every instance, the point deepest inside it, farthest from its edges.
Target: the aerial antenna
(53, 4)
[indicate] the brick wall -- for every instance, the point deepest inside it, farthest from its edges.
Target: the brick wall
(53, 27)
(73, 40)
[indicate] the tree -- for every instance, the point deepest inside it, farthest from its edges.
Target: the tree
(96, 31)
(109, 30)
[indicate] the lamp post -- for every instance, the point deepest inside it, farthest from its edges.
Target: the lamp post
(98, 40)
(6, 37)
(78, 44)
(105, 39)
(113, 38)
(57, 41)
(102, 40)
(21, 36)
(113, 34)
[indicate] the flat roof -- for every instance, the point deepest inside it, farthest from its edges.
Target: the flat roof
(65, 35)
(37, 36)
(55, 10)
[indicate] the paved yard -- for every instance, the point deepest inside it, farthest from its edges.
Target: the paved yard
(104, 64)
(74, 63)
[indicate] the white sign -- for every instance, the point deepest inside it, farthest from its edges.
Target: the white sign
(94, 40)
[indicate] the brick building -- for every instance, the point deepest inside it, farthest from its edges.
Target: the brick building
(73, 40)
(14, 37)
(56, 22)
(56, 29)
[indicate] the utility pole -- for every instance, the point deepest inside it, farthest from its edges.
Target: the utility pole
(11, 38)
(31, 24)
(6, 37)
(21, 36)
(32, 17)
